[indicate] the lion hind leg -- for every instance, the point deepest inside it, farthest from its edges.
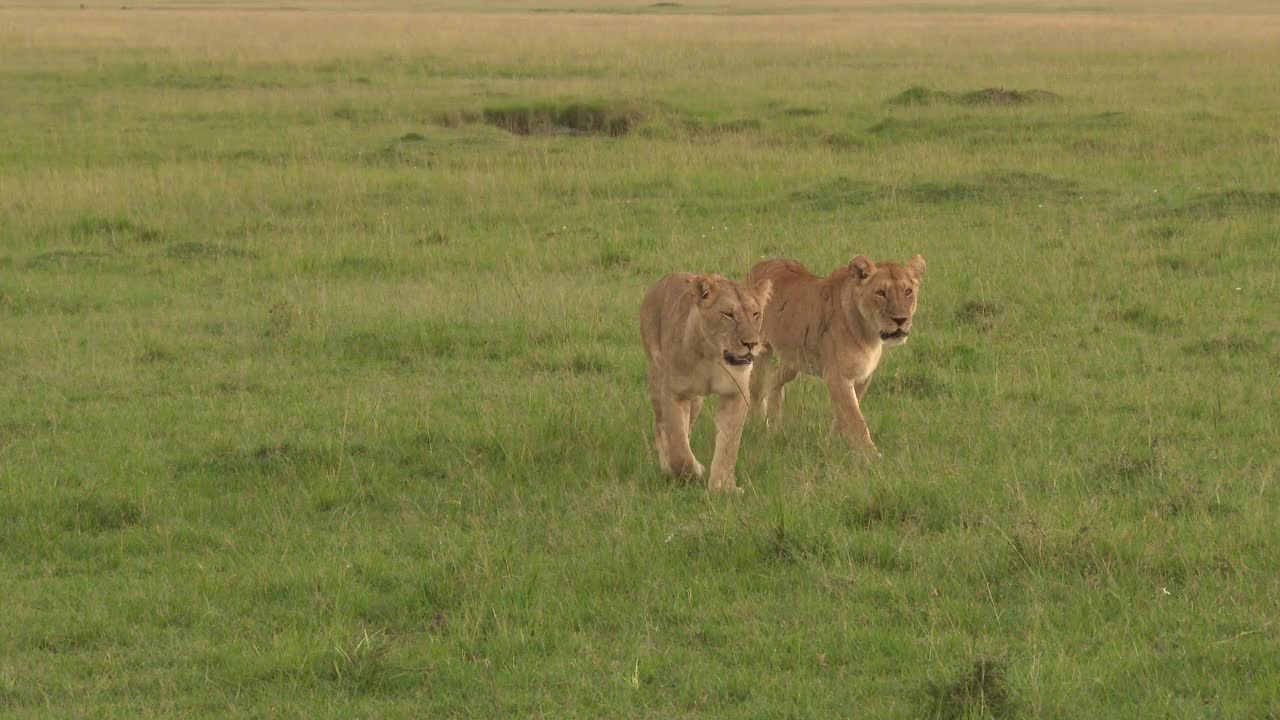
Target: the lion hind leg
(775, 393)
(695, 407)
(660, 411)
(761, 376)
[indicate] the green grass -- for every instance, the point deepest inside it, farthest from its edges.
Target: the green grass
(322, 393)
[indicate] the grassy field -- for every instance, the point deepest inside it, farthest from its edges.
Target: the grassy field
(321, 392)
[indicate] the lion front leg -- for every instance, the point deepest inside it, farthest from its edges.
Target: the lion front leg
(848, 413)
(731, 415)
(675, 433)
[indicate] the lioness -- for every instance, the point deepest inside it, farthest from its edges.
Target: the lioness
(701, 334)
(835, 328)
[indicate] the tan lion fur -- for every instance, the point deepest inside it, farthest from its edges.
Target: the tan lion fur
(835, 328)
(701, 334)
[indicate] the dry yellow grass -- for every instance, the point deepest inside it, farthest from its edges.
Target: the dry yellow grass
(626, 40)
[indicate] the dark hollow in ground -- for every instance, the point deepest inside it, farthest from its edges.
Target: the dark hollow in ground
(570, 118)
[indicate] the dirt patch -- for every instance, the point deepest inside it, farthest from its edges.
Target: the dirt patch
(921, 95)
(575, 118)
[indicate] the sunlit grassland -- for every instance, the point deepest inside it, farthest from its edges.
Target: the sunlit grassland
(322, 392)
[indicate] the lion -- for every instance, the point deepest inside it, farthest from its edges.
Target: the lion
(836, 328)
(701, 334)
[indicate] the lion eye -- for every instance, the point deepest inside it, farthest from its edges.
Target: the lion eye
(882, 293)
(727, 314)
(909, 291)
(756, 316)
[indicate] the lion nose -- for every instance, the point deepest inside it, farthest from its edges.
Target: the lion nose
(901, 320)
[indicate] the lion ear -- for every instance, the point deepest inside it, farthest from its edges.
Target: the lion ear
(704, 286)
(916, 266)
(763, 291)
(861, 267)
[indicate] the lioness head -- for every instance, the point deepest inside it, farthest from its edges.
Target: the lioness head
(885, 295)
(731, 316)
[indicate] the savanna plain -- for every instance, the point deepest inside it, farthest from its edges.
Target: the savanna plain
(321, 391)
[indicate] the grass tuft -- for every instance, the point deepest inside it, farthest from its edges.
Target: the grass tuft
(979, 691)
(361, 666)
(977, 312)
